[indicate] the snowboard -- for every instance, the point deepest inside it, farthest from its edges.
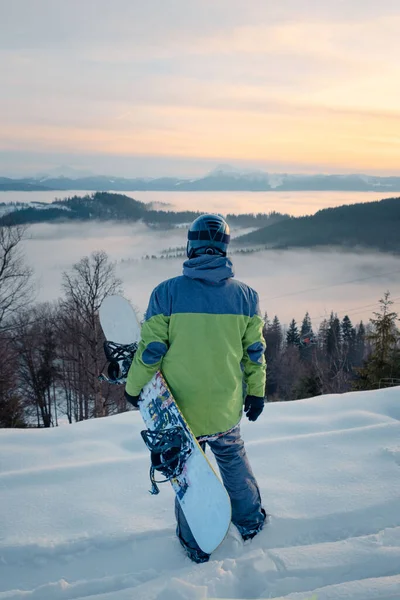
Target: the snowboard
(199, 491)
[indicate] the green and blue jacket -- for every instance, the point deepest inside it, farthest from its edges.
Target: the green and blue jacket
(203, 330)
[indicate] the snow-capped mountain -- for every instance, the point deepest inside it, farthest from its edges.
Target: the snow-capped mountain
(222, 178)
(64, 171)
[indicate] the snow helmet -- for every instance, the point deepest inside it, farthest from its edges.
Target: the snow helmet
(208, 234)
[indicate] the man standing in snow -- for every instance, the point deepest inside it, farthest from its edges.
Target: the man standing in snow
(203, 330)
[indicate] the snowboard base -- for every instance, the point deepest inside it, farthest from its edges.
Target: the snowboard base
(200, 492)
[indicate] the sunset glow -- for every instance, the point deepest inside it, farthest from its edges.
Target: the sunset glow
(297, 88)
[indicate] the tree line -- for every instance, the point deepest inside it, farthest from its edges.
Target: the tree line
(363, 225)
(52, 353)
(339, 357)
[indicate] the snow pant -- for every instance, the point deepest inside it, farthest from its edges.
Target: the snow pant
(239, 482)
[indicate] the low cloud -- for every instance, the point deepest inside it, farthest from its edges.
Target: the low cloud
(288, 282)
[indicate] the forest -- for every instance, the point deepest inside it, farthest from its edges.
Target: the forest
(51, 354)
(373, 225)
(366, 225)
(107, 206)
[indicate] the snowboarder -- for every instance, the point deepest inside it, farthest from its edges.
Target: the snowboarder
(203, 330)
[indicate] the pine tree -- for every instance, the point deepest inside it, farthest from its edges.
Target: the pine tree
(306, 326)
(306, 339)
(292, 334)
(333, 338)
(359, 349)
(384, 362)
(385, 333)
(348, 342)
(274, 340)
(335, 379)
(322, 336)
(266, 325)
(347, 329)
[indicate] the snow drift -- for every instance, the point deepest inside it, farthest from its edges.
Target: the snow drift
(76, 519)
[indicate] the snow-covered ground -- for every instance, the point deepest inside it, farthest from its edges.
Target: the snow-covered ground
(76, 520)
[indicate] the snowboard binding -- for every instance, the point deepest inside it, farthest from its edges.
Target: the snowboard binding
(120, 358)
(169, 449)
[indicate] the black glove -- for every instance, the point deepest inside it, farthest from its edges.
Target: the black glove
(253, 407)
(134, 400)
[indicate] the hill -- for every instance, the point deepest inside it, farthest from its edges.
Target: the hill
(77, 521)
(21, 185)
(371, 225)
(107, 206)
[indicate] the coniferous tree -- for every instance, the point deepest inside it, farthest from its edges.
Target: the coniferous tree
(348, 342)
(322, 336)
(306, 339)
(347, 328)
(292, 334)
(328, 358)
(306, 326)
(384, 362)
(273, 339)
(385, 334)
(359, 347)
(266, 325)
(333, 338)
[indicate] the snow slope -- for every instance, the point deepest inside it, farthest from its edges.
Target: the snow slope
(76, 520)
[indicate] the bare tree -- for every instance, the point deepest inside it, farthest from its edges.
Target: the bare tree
(90, 281)
(15, 276)
(11, 408)
(37, 370)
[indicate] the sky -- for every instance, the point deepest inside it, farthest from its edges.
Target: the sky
(174, 88)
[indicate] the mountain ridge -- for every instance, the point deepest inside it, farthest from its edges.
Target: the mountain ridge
(223, 178)
(374, 225)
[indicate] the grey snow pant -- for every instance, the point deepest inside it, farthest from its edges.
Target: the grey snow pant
(239, 482)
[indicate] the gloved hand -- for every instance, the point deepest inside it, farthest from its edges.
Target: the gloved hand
(253, 407)
(134, 400)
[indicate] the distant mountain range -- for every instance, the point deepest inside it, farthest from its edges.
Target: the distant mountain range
(221, 179)
(374, 225)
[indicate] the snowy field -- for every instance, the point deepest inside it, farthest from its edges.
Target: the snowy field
(76, 519)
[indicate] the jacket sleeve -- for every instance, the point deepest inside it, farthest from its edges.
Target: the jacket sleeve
(253, 355)
(152, 347)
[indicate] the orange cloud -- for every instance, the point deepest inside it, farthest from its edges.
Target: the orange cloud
(304, 92)
(364, 141)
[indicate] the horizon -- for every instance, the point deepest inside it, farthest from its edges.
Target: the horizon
(125, 89)
(75, 173)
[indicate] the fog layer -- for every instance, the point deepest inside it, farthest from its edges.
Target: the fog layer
(292, 203)
(289, 282)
